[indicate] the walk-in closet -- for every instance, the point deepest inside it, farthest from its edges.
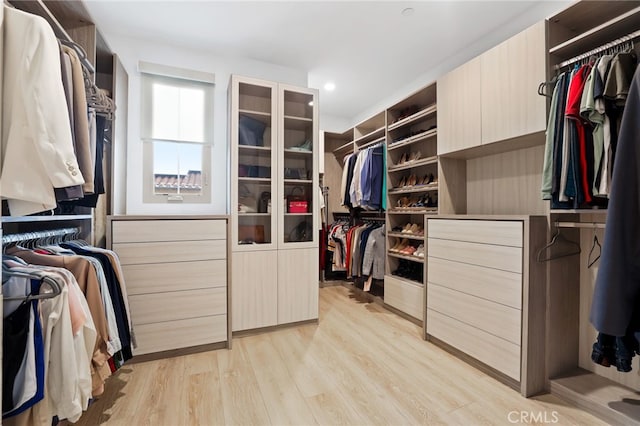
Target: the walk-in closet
(273, 213)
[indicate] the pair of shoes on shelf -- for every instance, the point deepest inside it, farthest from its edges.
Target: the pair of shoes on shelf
(406, 112)
(407, 181)
(426, 179)
(400, 245)
(419, 251)
(306, 145)
(410, 270)
(408, 158)
(413, 229)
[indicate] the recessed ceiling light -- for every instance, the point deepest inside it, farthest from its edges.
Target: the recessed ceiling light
(310, 103)
(408, 11)
(330, 86)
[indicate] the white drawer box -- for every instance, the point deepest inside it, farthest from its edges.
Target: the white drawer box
(163, 277)
(500, 320)
(134, 231)
(498, 353)
(492, 284)
(491, 256)
(163, 336)
(150, 308)
(404, 296)
(504, 233)
(168, 252)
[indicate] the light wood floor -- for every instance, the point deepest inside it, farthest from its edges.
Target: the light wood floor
(360, 365)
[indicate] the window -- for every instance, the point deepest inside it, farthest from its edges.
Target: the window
(177, 133)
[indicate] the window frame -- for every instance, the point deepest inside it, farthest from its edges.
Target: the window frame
(175, 77)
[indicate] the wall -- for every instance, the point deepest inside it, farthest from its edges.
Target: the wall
(130, 51)
(537, 13)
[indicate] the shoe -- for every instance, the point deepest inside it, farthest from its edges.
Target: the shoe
(406, 228)
(415, 156)
(412, 180)
(402, 183)
(396, 246)
(306, 145)
(419, 251)
(409, 250)
(403, 159)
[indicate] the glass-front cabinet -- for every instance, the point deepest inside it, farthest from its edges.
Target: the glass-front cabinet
(254, 110)
(298, 167)
(274, 160)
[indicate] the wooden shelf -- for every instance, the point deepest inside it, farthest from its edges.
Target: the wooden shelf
(345, 149)
(263, 117)
(298, 214)
(54, 218)
(297, 123)
(606, 32)
(372, 143)
(578, 211)
(375, 134)
(413, 139)
(431, 211)
(431, 109)
(254, 148)
(407, 236)
(254, 180)
(298, 181)
(609, 400)
(298, 152)
(406, 257)
(418, 188)
(423, 162)
(253, 214)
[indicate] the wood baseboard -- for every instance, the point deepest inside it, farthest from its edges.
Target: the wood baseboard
(254, 331)
(179, 352)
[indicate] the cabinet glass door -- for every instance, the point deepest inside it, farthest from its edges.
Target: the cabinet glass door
(255, 165)
(298, 166)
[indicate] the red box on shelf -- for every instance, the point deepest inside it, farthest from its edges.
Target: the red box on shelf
(298, 207)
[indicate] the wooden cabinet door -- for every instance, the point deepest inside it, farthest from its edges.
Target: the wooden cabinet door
(297, 285)
(459, 108)
(254, 296)
(511, 73)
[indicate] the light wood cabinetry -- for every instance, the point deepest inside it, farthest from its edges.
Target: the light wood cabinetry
(459, 105)
(494, 98)
(274, 199)
(511, 73)
(176, 274)
(486, 294)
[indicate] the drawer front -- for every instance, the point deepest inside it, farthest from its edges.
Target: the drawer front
(488, 283)
(498, 353)
(404, 296)
(498, 232)
(499, 320)
(177, 305)
(163, 277)
(490, 256)
(164, 336)
(163, 252)
(136, 231)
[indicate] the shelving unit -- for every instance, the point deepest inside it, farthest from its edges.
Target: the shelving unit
(411, 129)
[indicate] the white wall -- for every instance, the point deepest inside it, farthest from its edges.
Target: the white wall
(130, 52)
(537, 13)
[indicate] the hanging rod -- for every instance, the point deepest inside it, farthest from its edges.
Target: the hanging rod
(14, 238)
(625, 39)
(590, 225)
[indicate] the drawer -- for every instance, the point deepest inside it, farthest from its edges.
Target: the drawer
(492, 284)
(164, 336)
(142, 231)
(178, 251)
(490, 256)
(404, 296)
(495, 352)
(498, 232)
(500, 320)
(163, 277)
(177, 305)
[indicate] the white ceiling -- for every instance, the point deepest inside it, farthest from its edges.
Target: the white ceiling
(369, 49)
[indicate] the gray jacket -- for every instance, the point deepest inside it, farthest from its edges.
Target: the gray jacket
(374, 253)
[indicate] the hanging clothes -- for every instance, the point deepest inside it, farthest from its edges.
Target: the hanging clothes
(37, 146)
(615, 309)
(582, 131)
(363, 179)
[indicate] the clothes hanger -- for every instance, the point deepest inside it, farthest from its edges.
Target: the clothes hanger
(596, 244)
(51, 282)
(563, 248)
